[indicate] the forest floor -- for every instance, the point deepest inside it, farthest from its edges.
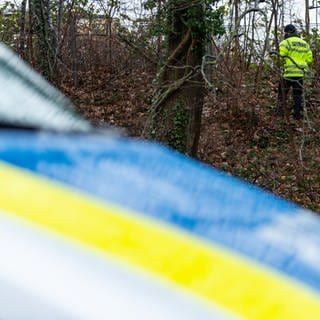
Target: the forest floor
(245, 140)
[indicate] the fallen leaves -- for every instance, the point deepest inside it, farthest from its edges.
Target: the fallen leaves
(255, 147)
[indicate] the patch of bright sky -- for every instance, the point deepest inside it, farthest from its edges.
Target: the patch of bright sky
(299, 9)
(296, 10)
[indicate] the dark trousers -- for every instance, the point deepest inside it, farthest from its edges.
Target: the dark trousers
(297, 90)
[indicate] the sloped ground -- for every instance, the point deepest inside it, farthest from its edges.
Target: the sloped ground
(279, 155)
(247, 141)
(120, 102)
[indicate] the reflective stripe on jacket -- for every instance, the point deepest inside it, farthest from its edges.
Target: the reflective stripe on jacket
(297, 56)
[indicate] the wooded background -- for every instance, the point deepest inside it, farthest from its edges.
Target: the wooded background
(199, 76)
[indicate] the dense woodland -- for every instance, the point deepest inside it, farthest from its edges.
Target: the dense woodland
(199, 76)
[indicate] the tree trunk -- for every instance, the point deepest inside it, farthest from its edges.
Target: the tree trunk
(73, 49)
(59, 20)
(307, 17)
(30, 41)
(237, 25)
(46, 40)
(178, 100)
(22, 27)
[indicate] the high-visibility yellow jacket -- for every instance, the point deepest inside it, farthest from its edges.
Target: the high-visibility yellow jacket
(296, 55)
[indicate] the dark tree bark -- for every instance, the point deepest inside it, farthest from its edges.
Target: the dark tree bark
(45, 35)
(177, 107)
(22, 27)
(307, 16)
(59, 20)
(73, 49)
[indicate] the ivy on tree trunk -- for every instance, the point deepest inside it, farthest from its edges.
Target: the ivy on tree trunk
(178, 100)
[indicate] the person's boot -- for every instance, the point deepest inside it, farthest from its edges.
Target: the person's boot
(279, 112)
(297, 116)
(297, 112)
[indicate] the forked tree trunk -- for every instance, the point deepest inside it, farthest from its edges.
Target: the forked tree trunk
(178, 101)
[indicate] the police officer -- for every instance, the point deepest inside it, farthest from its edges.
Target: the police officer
(296, 57)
